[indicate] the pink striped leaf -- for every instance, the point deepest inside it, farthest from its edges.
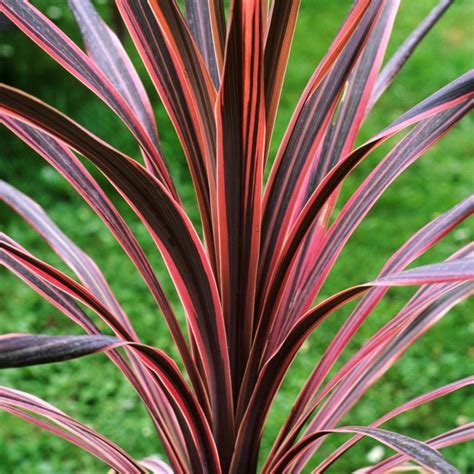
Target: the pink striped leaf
(404, 52)
(405, 153)
(461, 434)
(420, 452)
(378, 362)
(338, 141)
(157, 404)
(294, 157)
(65, 162)
(168, 225)
(206, 22)
(184, 85)
(281, 27)
(240, 116)
(410, 405)
(56, 297)
(422, 241)
(254, 411)
(50, 38)
(109, 55)
(14, 252)
(20, 350)
(22, 404)
(83, 266)
(458, 92)
(425, 296)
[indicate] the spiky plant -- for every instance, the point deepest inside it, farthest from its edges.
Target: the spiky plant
(248, 286)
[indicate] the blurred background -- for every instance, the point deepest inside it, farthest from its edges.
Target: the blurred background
(94, 392)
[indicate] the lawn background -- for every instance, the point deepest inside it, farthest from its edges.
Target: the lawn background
(92, 389)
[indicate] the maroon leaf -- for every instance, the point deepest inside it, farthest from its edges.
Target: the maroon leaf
(17, 350)
(458, 435)
(422, 241)
(168, 225)
(21, 404)
(416, 450)
(46, 35)
(204, 18)
(109, 55)
(281, 27)
(65, 162)
(404, 52)
(185, 87)
(240, 118)
(262, 390)
(421, 400)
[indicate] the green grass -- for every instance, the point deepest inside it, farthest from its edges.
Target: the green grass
(92, 389)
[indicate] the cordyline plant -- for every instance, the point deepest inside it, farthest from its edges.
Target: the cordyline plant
(247, 288)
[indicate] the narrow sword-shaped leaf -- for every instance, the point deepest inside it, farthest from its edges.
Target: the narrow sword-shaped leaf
(157, 406)
(379, 361)
(340, 138)
(338, 141)
(294, 157)
(425, 295)
(109, 55)
(414, 449)
(200, 18)
(181, 79)
(240, 116)
(272, 373)
(66, 163)
(422, 241)
(460, 90)
(403, 53)
(457, 435)
(91, 277)
(19, 350)
(280, 30)
(82, 265)
(170, 228)
(56, 297)
(20, 404)
(405, 153)
(73, 59)
(410, 405)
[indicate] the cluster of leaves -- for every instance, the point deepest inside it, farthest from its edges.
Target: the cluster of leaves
(248, 286)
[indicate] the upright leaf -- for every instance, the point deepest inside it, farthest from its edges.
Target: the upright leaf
(240, 156)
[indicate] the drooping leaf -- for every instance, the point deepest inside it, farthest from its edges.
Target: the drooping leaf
(410, 405)
(421, 242)
(261, 391)
(22, 404)
(457, 435)
(416, 450)
(18, 350)
(65, 162)
(169, 226)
